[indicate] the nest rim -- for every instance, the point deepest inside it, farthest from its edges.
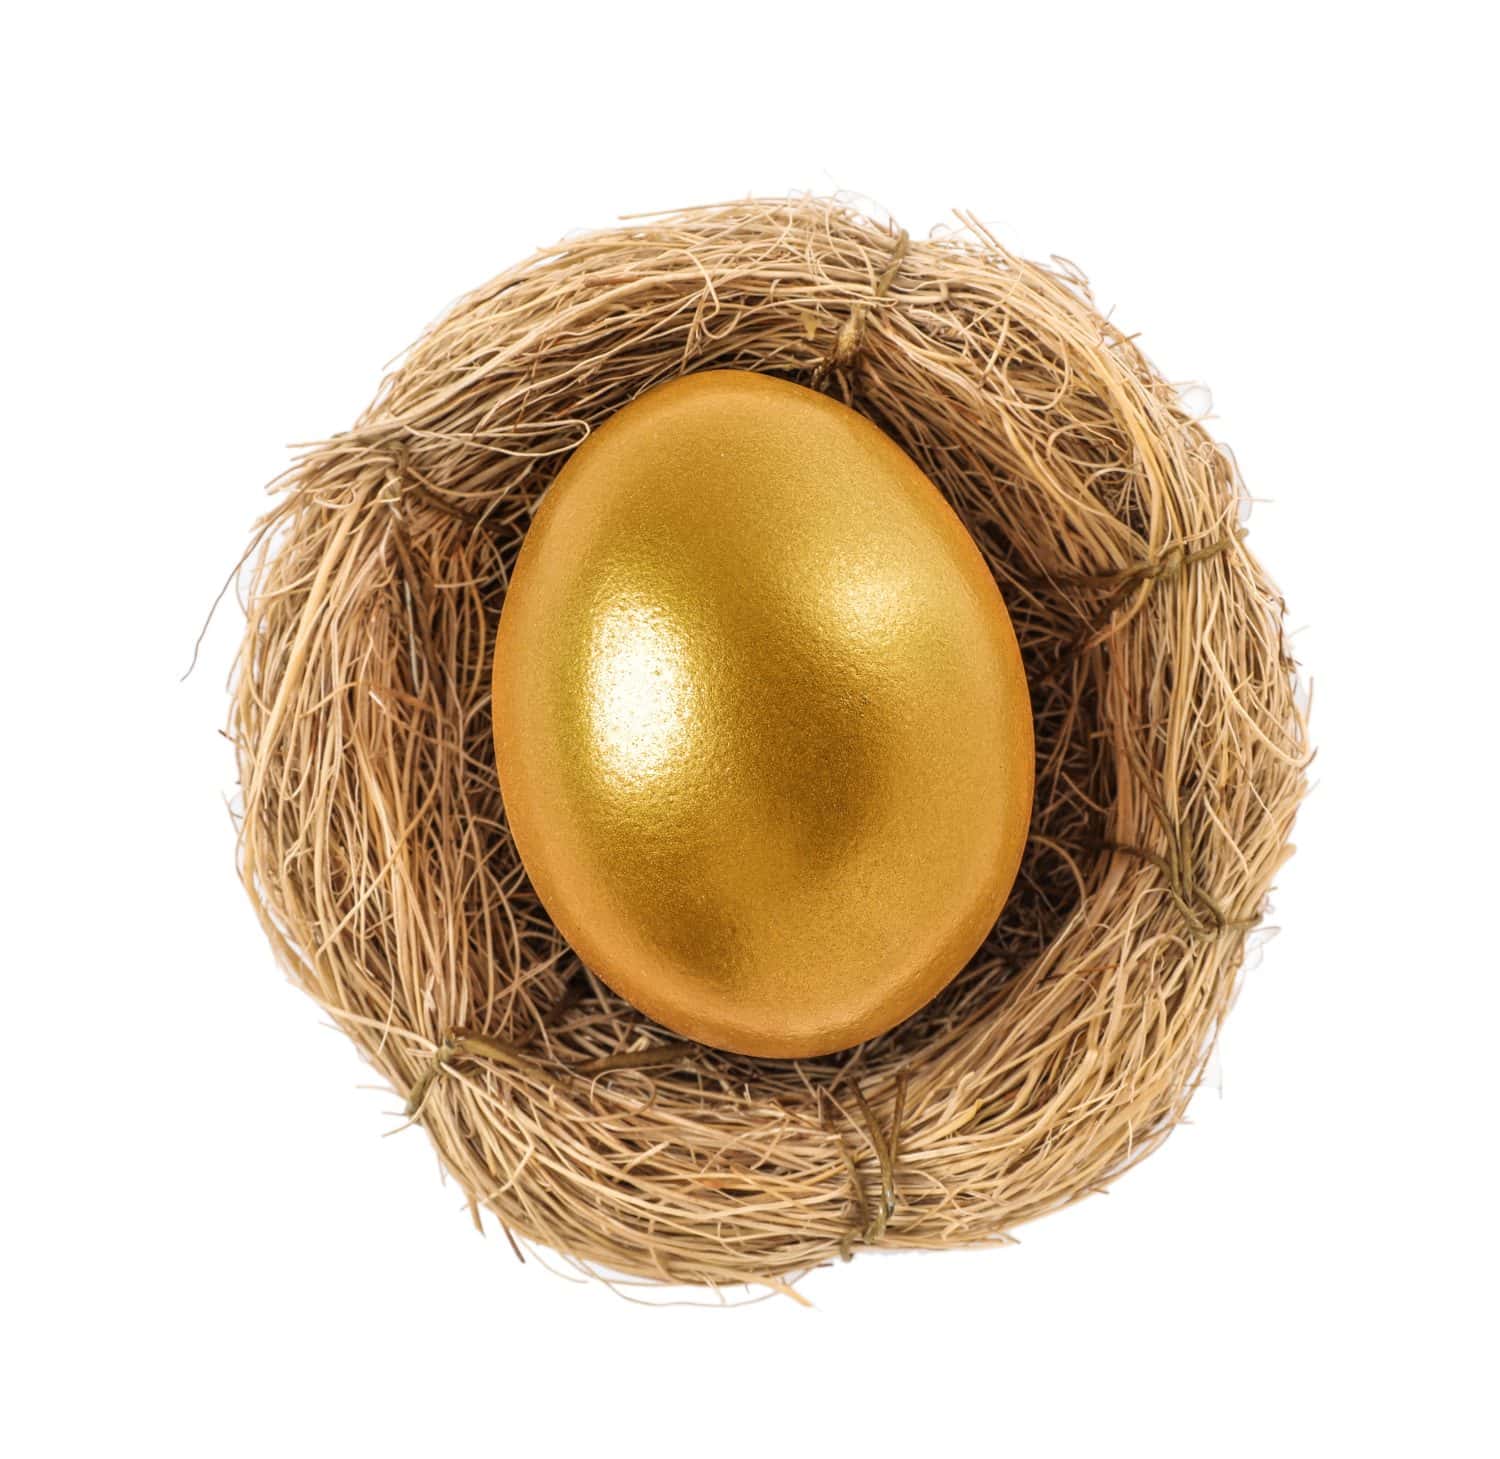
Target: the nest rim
(1171, 745)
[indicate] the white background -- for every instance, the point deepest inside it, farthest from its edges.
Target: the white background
(223, 221)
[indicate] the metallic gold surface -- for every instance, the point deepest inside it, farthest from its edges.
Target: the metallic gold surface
(761, 724)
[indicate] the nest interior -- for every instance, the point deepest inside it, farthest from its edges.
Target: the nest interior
(1170, 752)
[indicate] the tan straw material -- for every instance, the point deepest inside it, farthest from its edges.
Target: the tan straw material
(1171, 752)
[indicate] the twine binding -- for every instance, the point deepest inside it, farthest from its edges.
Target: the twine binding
(851, 336)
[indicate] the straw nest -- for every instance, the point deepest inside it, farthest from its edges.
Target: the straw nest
(1170, 753)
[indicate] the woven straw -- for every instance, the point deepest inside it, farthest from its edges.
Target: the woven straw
(1170, 753)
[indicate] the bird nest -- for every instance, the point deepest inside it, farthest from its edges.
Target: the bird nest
(1170, 753)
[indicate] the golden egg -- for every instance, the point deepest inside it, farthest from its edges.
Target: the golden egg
(761, 724)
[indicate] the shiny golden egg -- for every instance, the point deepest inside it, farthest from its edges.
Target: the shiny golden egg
(761, 725)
